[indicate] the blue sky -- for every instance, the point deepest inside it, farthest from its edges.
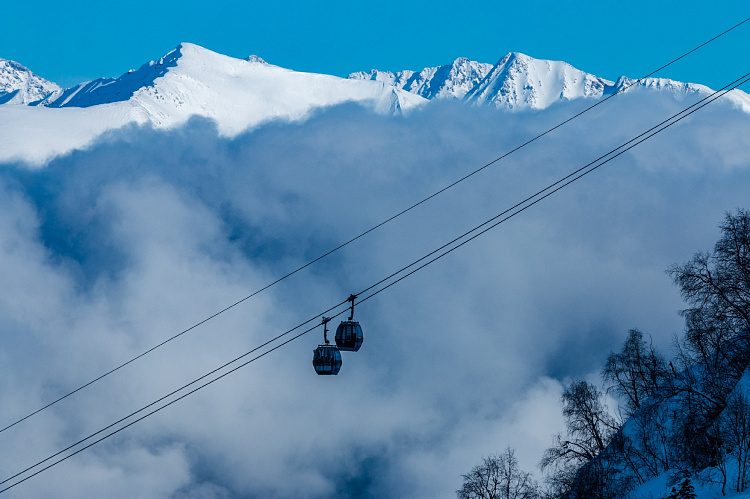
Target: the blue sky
(71, 44)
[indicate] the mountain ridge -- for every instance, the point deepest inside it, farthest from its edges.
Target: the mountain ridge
(519, 82)
(39, 120)
(516, 82)
(448, 81)
(189, 81)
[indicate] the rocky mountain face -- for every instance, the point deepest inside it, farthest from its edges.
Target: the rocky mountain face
(517, 82)
(452, 81)
(18, 85)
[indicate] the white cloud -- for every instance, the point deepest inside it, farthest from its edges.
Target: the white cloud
(106, 252)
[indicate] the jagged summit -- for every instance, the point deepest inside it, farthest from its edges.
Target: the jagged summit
(676, 88)
(109, 90)
(451, 81)
(518, 81)
(256, 59)
(18, 85)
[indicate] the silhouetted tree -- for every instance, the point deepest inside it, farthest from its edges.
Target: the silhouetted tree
(637, 372)
(689, 416)
(498, 477)
(734, 430)
(716, 348)
(589, 426)
(647, 451)
(717, 286)
(571, 461)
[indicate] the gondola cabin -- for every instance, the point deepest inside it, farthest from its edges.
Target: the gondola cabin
(349, 333)
(349, 336)
(327, 360)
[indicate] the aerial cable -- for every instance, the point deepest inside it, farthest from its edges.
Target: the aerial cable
(214, 371)
(576, 175)
(375, 227)
(144, 416)
(741, 81)
(631, 143)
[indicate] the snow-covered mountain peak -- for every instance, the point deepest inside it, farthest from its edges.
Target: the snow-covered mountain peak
(185, 59)
(18, 85)
(192, 54)
(516, 57)
(255, 59)
(451, 81)
(518, 81)
(190, 58)
(239, 94)
(677, 88)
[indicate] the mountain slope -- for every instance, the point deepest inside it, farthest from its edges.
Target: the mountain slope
(191, 80)
(520, 81)
(18, 85)
(109, 90)
(188, 81)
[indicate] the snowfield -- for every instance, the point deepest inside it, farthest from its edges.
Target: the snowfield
(189, 81)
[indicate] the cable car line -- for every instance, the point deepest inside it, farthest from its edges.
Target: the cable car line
(375, 227)
(342, 245)
(576, 175)
(723, 91)
(91, 444)
(214, 371)
(744, 79)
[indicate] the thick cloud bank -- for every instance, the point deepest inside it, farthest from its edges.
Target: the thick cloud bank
(106, 252)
